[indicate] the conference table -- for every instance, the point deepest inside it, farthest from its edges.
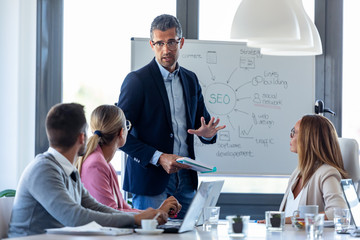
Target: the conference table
(256, 231)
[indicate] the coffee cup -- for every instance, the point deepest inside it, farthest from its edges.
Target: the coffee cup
(149, 224)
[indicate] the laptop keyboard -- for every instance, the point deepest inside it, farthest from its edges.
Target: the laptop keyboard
(172, 226)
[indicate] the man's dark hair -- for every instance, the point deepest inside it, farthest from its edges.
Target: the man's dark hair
(64, 123)
(165, 22)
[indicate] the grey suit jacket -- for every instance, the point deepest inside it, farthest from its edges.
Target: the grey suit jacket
(48, 198)
(323, 189)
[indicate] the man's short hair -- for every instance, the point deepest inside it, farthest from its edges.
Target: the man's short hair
(64, 123)
(165, 22)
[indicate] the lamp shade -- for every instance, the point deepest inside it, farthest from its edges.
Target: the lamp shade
(307, 42)
(288, 50)
(261, 20)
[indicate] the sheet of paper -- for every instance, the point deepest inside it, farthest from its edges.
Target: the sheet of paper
(91, 228)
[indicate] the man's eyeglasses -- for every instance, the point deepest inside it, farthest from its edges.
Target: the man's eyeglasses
(292, 133)
(172, 44)
(128, 125)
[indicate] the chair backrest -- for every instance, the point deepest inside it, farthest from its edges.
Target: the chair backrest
(6, 204)
(350, 153)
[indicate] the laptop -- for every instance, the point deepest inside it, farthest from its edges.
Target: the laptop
(205, 196)
(353, 203)
(211, 200)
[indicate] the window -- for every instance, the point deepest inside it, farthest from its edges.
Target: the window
(97, 57)
(351, 81)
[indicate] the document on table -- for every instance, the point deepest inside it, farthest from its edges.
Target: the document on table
(91, 228)
(196, 165)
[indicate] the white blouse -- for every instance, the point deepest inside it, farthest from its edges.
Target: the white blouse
(292, 204)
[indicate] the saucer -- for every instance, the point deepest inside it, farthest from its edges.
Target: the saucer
(237, 235)
(150, 232)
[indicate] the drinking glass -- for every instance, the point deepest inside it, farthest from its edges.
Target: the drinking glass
(314, 224)
(211, 217)
(341, 220)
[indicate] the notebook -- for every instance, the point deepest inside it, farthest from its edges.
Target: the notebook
(353, 203)
(205, 195)
(196, 165)
(91, 228)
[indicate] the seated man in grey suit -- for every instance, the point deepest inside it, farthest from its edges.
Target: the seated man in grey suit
(50, 193)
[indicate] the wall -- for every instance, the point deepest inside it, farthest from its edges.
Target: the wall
(17, 88)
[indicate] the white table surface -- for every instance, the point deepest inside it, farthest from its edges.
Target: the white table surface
(256, 231)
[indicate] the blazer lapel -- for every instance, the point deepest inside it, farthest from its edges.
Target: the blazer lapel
(159, 83)
(115, 183)
(187, 98)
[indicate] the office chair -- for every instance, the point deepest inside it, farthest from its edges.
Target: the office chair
(6, 204)
(350, 153)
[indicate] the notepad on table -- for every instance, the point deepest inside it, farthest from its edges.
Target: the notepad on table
(91, 228)
(196, 165)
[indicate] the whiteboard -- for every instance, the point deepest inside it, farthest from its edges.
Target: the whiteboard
(259, 98)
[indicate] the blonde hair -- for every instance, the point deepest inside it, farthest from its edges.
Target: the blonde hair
(318, 144)
(107, 121)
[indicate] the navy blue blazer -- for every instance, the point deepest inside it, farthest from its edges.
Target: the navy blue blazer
(144, 100)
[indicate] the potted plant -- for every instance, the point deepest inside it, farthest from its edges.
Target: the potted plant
(275, 220)
(237, 224)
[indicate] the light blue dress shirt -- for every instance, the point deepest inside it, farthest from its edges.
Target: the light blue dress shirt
(175, 94)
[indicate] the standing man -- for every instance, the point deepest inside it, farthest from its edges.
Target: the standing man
(164, 103)
(50, 193)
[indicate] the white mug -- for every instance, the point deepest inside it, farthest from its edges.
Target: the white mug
(313, 209)
(149, 224)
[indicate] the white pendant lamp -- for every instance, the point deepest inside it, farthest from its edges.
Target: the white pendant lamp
(291, 50)
(278, 27)
(265, 19)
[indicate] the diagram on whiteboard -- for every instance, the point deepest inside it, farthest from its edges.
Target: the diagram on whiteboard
(250, 96)
(259, 98)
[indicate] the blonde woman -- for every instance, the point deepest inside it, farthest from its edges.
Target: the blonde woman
(316, 180)
(99, 177)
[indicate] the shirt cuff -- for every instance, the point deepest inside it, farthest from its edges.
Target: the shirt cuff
(154, 160)
(208, 139)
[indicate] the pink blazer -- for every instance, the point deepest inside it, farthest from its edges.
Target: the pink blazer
(100, 179)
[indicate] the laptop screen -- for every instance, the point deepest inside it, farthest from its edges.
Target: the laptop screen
(206, 190)
(352, 200)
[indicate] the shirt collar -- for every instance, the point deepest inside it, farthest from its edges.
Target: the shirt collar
(165, 73)
(64, 162)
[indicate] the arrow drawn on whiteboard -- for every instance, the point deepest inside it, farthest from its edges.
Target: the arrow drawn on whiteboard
(212, 76)
(242, 85)
(244, 98)
(237, 110)
(231, 75)
(228, 117)
(202, 84)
